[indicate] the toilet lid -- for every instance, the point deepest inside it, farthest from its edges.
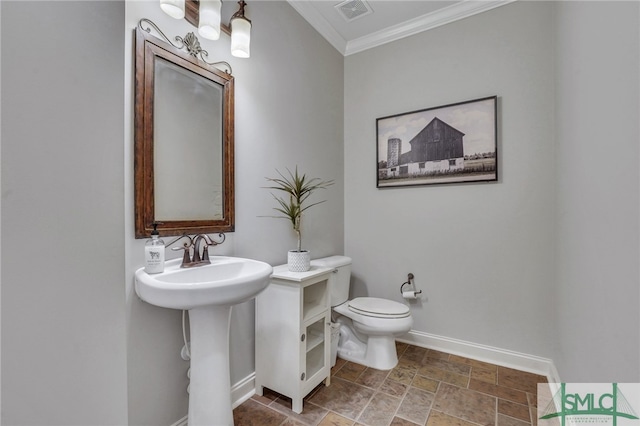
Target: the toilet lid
(376, 307)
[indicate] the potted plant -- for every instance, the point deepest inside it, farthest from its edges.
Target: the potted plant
(297, 189)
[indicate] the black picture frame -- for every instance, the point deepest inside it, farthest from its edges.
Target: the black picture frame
(454, 143)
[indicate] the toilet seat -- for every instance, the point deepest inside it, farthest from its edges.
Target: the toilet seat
(378, 308)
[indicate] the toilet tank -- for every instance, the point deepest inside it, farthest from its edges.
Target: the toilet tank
(340, 280)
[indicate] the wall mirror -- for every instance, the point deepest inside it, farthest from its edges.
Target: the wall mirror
(184, 139)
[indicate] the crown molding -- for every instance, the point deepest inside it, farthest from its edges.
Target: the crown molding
(321, 25)
(440, 17)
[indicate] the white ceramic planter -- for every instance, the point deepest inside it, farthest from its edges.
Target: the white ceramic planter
(299, 261)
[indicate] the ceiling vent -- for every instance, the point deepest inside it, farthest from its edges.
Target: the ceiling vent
(353, 9)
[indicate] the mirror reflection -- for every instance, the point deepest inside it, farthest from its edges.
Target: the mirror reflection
(183, 142)
(188, 132)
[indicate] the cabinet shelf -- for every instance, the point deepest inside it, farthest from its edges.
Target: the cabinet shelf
(311, 310)
(314, 300)
(315, 361)
(314, 338)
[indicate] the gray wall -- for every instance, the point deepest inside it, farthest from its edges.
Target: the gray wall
(597, 215)
(481, 253)
(78, 350)
(63, 299)
(544, 262)
(289, 111)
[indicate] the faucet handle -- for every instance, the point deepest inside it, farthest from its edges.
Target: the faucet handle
(205, 254)
(186, 259)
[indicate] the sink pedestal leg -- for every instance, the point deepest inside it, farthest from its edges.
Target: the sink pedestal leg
(210, 387)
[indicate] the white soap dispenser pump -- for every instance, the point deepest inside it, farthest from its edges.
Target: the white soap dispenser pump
(154, 253)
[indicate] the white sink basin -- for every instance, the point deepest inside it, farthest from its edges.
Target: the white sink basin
(208, 292)
(226, 281)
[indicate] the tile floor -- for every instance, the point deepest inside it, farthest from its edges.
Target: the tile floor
(426, 388)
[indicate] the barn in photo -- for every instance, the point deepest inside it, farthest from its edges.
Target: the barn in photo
(437, 148)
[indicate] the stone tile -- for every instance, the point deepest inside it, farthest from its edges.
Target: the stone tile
(515, 410)
(542, 398)
(510, 421)
(489, 375)
(510, 394)
(397, 421)
(452, 367)
(438, 418)
(311, 413)
(426, 387)
(380, 410)
(267, 397)
(316, 389)
(465, 404)
(350, 371)
(400, 348)
(521, 380)
(333, 419)
(416, 405)
(432, 353)
(343, 397)
(533, 406)
(473, 362)
(293, 422)
(533, 415)
(252, 413)
(409, 363)
(414, 353)
(372, 378)
(444, 376)
(339, 364)
(425, 383)
(393, 388)
(402, 374)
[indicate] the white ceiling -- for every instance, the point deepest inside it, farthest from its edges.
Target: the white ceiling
(389, 20)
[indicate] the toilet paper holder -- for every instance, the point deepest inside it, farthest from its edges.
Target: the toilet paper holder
(410, 282)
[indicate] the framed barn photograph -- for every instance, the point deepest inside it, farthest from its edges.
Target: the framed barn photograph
(446, 144)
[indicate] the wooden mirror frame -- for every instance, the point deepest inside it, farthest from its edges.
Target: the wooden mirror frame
(147, 48)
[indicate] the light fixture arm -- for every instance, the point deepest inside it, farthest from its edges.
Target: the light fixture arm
(240, 12)
(190, 42)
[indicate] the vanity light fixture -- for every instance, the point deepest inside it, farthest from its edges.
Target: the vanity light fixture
(240, 33)
(173, 8)
(209, 22)
(206, 16)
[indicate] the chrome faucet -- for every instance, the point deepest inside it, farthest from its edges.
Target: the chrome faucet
(189, 260)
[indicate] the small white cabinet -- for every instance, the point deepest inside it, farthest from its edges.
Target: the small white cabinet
(293, 335)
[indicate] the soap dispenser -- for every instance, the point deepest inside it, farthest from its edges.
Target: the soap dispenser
(154, 253)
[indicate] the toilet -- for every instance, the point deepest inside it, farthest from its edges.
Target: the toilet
(368, 325)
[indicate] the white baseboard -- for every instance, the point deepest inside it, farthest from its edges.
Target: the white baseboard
(243, 390)
(503, 357)
(240, 392)
(181, 422)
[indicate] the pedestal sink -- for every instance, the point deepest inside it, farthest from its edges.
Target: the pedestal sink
(208, 292)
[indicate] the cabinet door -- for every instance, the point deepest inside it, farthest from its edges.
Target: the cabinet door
(315, 360)
(278, 334)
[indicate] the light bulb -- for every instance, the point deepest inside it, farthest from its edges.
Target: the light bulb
(173, 8)
(209, 25)
(240, 37)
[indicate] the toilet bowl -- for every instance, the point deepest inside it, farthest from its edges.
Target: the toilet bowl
(368, 325)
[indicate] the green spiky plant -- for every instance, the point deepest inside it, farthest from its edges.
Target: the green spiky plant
(297, 189)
